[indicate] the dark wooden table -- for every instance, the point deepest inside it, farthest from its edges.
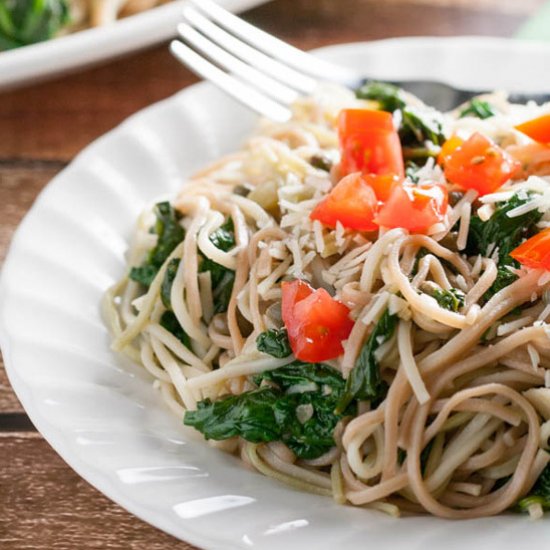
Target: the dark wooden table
(43, 503)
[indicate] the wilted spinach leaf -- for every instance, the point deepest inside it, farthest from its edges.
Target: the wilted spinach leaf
(170, 233)
(388, 96)
(296, 408)
(452, 299)
(505, 233)
(364, 381)
(274, 342)
(540, 494)
(169, 321)
(222, 278)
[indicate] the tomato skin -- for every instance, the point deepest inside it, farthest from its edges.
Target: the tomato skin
(480, 164)
(369, 143)
(315, 322)
(414, 207)
(534, 252)
(352, 202)
(382, 185)
(537, 129)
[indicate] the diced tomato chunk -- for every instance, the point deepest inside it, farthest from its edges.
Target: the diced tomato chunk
(315, 322)
(369, 143)
(534, 252)
(537, 129)
(448, 147)
(382, 185)
(480, 164)
(352, 202)
(414, 207)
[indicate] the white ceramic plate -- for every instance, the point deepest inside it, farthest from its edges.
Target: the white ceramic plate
(104, 418)
(84, 48)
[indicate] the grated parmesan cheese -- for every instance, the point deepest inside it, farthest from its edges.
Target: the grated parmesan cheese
(318, 234)
(485, 212)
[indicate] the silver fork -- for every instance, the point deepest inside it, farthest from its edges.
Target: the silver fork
(267, 74)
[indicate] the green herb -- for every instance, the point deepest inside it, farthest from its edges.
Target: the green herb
(169, 321)
(298, 374)
(505, 233)
(250, 415)
(169, 276)
(452, 299)
(417, 128)
(419, 255)
(501, 230)
(364, 381)
(504, 278)
(222, 279)
(296, 408)
(388, 96)
(274, 342)
(25, 22)
(224, 237)
(540, 494)
(170, 234)
(478, 108)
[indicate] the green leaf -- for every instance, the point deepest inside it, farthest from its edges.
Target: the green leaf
(364, 381)
(452, 299)
(540, 494)
(250, 415)
(144, 274)
(224, 237)
(169, 321)
(505, 233)
(478, 108)
(25, 22)
(418, 127)
(222, 279)
(388, 96)
(169, 276)
(170, 233)
(300, 374)
(297, 408)
(274, 342)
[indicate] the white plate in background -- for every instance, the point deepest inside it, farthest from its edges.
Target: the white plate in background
(87, 47)
(103, 416)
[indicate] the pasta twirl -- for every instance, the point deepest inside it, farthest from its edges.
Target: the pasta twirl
(401, 365)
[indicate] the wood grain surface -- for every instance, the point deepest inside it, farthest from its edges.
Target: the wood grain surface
(45, 505)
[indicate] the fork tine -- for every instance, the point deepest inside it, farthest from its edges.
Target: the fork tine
(304, 62)
(275, 69)
(235, 88)
(235, 66)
